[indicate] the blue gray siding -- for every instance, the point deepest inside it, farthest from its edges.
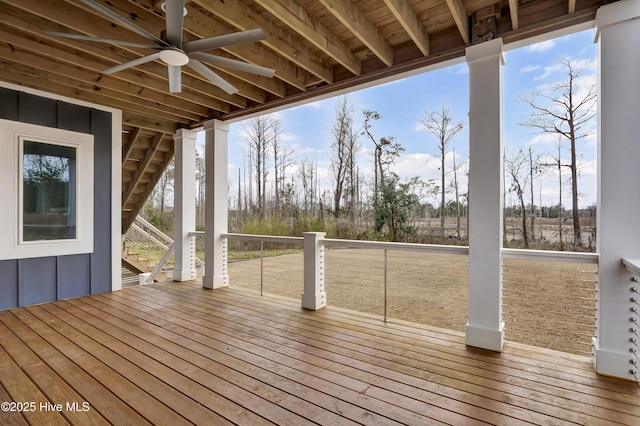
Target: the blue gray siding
(30, 281)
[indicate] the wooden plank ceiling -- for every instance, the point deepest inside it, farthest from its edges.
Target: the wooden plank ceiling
(316, 47)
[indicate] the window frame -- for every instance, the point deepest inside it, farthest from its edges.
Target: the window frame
(12, 137)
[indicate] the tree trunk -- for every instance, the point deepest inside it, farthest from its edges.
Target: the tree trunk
(442, 206)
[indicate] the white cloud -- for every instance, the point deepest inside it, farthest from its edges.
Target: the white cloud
(544, 139)
(461, 69)
(529, 68)
(549, 70)
(313, 105)
(541, 47)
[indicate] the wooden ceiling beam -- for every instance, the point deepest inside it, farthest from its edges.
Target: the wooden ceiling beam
(572, 6)
(460, 17)
(199, 26)
(148, 123)
(237, 14)
(409, 20)
(298, 20)
(349, 15)
(513, 10)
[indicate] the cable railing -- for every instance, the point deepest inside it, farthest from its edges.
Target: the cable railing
(633, 266)
(550, 299)
(424, 283)
(155, 248)
(266, 263)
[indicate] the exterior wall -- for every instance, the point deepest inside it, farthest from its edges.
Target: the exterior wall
(37, 280)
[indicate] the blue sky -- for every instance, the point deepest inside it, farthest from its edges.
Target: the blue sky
(306, 129)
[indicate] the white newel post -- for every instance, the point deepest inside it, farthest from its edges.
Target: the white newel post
(618, 38)
(314, 296)
(184, 204)
(216, 209)
(485, 328)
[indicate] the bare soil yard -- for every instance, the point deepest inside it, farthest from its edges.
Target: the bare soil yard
(546, 304)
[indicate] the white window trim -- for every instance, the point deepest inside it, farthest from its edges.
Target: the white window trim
(11, 134)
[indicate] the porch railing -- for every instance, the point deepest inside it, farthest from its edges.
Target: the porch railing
(550, 299)
(155, 247)
(400, 274)
(633, 266)
(286, 272)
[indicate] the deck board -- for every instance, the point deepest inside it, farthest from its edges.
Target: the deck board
(175, 353)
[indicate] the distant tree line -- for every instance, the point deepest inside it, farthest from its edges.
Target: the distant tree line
(278, 192)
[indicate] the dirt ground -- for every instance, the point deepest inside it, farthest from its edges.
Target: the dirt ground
(546, 304)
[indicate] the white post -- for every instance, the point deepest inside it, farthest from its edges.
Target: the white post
(314, 296)
(618, 38)
(184, 204)
(216, 209)
(485, 328)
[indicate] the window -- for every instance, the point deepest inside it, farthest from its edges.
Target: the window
(47, 175)
(48, 192)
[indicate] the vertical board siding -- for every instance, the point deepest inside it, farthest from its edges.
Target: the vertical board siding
(74, 276)
(101, 259)
(8, 284)
(30, 281)
(37, 281)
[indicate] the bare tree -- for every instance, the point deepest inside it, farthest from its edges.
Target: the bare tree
(200, 190)
(165, 185)
(259, 133)
(440, 124)
(307, 180)
(343, 143)
(516, 167)
(456, 190)
(384, 154)
(558, 162)
(281, 161)
(566, 108)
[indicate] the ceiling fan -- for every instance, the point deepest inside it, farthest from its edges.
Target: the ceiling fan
(175, 52)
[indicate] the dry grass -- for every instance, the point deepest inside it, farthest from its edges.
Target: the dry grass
(547, 304)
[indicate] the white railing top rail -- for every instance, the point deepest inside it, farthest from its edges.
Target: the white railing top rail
(158, 234)
(632, 265)
(385, 245)
(152, 238)
(266, 238)
(550, 255)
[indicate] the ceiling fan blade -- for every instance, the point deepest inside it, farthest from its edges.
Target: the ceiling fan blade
(216, 42)
(102, 40)
(175, 78)
(174, 19)
(135, 62)
(203, 70)
(124, 22)
(232, 63)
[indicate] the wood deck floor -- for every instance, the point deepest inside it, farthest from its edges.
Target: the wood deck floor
(176, 353)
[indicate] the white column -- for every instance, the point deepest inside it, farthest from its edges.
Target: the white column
(216, 200)
(314, 296)
(184, 204)
(618, 38)
(485, 328)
